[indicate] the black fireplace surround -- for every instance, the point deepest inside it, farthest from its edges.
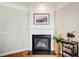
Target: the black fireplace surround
(41, 44)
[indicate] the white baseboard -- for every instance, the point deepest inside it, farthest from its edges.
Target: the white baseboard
(11, 52)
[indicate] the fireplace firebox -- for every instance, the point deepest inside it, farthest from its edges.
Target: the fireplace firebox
(41, 44)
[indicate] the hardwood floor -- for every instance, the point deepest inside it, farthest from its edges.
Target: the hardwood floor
(19, 54)
(28, 54)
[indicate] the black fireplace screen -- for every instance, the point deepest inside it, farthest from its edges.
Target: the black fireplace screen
(41, 44)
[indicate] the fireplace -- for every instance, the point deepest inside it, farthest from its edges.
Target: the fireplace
(41, 44)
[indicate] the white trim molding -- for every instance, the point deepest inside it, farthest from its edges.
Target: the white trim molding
(14, 5)
(61, 6)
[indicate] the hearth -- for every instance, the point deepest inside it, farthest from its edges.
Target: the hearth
(41, 44)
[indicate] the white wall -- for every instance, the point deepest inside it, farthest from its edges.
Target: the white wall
(41, 29)
(16, 28)
(13, 29)
(67, 19)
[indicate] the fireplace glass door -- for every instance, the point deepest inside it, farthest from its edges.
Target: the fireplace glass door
(41, 44)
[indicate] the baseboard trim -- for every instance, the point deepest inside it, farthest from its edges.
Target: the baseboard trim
(12, 52)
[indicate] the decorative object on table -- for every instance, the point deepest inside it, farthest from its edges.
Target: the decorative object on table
(58, 39)
(70, 36)
(41, 18)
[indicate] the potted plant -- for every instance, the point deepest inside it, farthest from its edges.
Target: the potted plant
(58, 39)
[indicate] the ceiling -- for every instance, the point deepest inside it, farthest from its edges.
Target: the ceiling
(26, 5)
(29, 4)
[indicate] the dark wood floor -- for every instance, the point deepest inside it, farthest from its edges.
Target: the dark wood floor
(29, 54)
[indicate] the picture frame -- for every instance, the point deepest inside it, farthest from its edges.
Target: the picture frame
(41, 18)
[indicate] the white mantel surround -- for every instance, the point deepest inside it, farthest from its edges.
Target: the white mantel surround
(41, 29)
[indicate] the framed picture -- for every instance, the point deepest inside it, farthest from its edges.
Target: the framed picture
(41, 18)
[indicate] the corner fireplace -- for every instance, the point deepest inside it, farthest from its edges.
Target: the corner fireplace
(41, 44)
